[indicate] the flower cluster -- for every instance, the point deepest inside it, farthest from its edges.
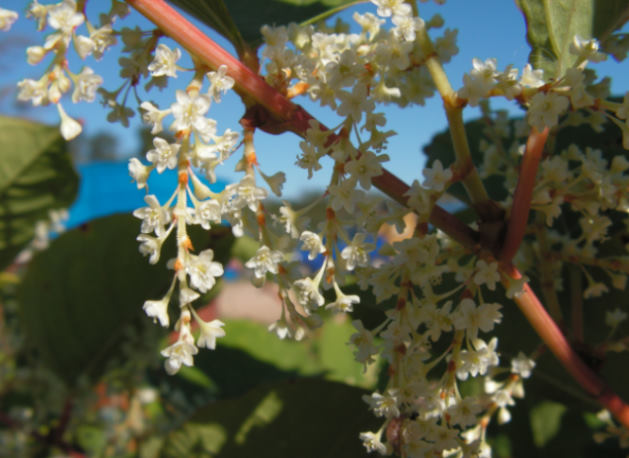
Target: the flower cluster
(439, 332)
(64, 18)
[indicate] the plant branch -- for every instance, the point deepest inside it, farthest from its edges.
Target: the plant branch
(464, 167)
(253, 87)
(523, 194)
(557, 343)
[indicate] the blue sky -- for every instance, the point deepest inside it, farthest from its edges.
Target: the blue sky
(487, 28)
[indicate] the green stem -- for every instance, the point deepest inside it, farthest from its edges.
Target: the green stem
(464, 168)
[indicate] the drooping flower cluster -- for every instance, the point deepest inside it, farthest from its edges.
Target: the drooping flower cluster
(438, 333)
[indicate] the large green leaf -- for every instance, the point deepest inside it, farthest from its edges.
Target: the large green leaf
(36, 175)
(81, 299)
(306, 418)
(552, 24)
(240, 20)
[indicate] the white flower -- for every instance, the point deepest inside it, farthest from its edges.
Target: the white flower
(586, 49)
(203, 270)
(7, 18)
(309, 158)
(372, 442)
(64, 17)
(158, 310)
(406, 26)
(312, 243)
(165, 61)
(344, 302)
(164, 155)
(522, 365)
(209, 333)
(181, 352)
(264, 261)
(85, 85)
(388, 8)
(152, 115)
(471, 318)
(357, 252)
(35, 54)
(188, 112)
(479, 81)
(477, 361)
(247, 194)
(150, 246)
(35, 91)
(84, 46)
(487, 274)
(153, 217)
(365, 168)
(139, 172)
(437, 177)
(545, 108)
(208, 211)
(384, 405)
(219, 83)
(307, 291)
(70, 128)
(532, 78)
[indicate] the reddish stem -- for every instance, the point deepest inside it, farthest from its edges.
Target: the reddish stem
(557, 343)
(523, 194)
(253, 87)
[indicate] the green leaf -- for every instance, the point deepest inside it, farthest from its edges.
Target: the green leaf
(36, 176)
(308, 418)
(81, 299)
(546, 421)
(552, 24)
(242, 19)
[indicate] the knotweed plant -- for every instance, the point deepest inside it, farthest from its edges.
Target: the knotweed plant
(444, 278)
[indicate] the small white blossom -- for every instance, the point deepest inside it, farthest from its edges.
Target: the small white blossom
(154, 217)
(532, 78)
(70, 128)
(139, 172)
(586, 49)
(210, 331)
(357, 252)
(312, 244)
(164, 155)
(165, 61)
(219, 83)
(487, 274)
(154, 116)
(7, 18)
(436, 178)
(522, 365)
(472, 318)
(189, 111)
(64, 17)
(150, 246)
(86, 84)
(158, 310)
(384, 405)
(203, 270)
(545, 109)
(265, 260)
(178, 354)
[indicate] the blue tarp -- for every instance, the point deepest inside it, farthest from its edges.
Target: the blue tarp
(106, 188)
